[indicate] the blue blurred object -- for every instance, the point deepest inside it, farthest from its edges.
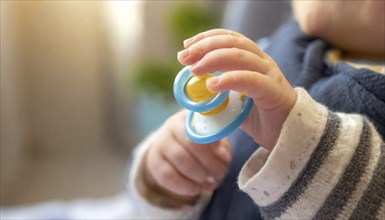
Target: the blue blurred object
(205, 106)
(179, 92)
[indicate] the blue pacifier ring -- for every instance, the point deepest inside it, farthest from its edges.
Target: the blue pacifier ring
(180, 95)
(205, 139)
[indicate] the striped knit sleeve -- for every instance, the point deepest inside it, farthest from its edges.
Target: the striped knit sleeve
(325, 165)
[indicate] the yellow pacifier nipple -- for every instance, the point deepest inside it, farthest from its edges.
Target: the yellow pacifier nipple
(197, 91)
(196, 88)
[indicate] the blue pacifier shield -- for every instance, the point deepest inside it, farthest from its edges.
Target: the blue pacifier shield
(196, 137)
(221, 124)
(180, 95)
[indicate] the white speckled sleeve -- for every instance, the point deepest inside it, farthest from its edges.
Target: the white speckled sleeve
(325, 165)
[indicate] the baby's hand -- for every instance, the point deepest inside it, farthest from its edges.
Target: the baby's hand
(183, 169)
(247, 69)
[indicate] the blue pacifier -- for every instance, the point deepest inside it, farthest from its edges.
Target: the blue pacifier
(212, 116)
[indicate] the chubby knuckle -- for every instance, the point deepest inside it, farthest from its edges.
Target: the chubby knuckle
(234, 40)
(239, 54)
(177, 157)
(165, 176)
(267, 58)
(279, 79)
(199, 47)
(229, 32)
(201, 36)
(270, 64)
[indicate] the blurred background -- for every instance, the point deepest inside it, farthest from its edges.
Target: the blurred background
(80, 81)
(83, 82)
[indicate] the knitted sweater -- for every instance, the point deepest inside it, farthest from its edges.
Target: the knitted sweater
(325, 164)
(336, 173)
(339, 87)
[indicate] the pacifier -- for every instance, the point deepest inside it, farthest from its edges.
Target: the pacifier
(212, 116)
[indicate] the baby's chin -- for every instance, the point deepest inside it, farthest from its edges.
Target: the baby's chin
(313, 21)
(351, 40)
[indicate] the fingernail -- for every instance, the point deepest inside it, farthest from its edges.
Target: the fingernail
(210, 179)
(183, 54)
(212, 81)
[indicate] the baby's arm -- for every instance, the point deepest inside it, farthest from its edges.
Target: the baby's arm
(315, 163)
(325, 165)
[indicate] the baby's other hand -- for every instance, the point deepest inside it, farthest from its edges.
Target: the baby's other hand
(183, 169)
(246, 69)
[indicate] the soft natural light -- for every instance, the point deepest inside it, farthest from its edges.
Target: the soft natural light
(125, 26)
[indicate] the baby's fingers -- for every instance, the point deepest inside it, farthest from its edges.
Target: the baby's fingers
(199, 49)
(260, 87)
(209, 33)
(228, 59)
(169, 178)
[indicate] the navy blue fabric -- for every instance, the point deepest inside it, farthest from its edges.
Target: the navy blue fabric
(339, 87)
(228, 201)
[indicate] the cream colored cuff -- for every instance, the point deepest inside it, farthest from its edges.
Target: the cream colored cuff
(267, 176)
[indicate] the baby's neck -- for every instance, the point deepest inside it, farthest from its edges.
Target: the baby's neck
(363, 56)
(374, 63)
